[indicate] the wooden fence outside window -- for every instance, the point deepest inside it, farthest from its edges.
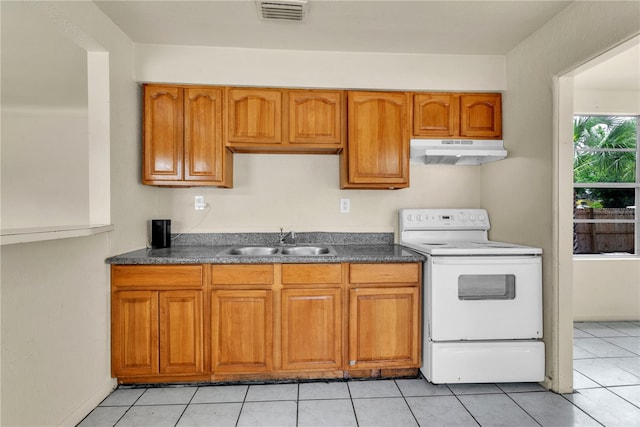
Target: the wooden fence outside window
(596, 238)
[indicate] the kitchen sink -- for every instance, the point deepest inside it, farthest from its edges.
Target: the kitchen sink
(306, 250)
(251, 251)
(279, 250)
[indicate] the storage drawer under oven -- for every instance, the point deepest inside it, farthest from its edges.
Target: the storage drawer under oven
(484, 297)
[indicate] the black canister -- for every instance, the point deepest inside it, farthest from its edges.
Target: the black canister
(160, 233)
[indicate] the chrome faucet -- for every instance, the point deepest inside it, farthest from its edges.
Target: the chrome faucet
(283, 237)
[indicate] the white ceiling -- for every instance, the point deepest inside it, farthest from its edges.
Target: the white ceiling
(30, 44)
(438, 27)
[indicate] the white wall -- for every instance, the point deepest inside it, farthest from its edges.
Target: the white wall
(521, 191)
(289, 68)
(301, 193)
(606, 289)
(55, 342)
(44, 177)
(606, 101)
(55, 331)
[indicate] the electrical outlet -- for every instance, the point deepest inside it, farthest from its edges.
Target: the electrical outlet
(199, 204)
(345, 205)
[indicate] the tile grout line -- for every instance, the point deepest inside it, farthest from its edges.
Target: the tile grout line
(407, 403)
(129, 408)
(353, 406)
(621, 397)
(523, 410)
(463, 405)
(187, 406)
(582, 410)
(298, 405)
(612, 343)
(244, 400)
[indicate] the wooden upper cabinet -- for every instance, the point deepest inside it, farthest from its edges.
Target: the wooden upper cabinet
(316, 117)
(457, 115)
(282, 120)
(163, 130)
(377, 152)
(203, 141)
(435, 114)
(254, 115)
(183, 137)
(481, 115)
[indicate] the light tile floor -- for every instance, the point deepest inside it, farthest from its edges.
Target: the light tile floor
(606, 382)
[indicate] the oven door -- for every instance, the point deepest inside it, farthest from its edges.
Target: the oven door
(484, 297)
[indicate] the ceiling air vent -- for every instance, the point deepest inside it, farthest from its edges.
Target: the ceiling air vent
(289, 10)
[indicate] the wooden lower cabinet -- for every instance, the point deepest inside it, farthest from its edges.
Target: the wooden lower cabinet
(181, 337)
(242, 331)
(134, 328)
(311, 329)
(157, 332)
(264, 321)
(384, 327)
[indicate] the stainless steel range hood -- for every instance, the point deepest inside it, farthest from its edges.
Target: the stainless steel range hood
(456, 151)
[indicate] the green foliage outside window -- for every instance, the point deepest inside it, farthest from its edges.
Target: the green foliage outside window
(605, 152)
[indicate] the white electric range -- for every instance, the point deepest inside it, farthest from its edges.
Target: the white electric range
(482, 300)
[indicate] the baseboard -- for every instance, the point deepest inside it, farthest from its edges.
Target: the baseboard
(78, 415)
(624, 317)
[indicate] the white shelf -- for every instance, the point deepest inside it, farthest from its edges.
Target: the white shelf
(11, 236)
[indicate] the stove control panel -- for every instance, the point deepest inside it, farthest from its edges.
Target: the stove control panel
(443, 219)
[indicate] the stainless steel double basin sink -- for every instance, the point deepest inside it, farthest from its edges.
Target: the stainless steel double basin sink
(257, 251)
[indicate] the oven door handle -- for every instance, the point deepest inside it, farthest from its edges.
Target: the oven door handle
(486, 260)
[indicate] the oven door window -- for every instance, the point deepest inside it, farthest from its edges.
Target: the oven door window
(486, 287)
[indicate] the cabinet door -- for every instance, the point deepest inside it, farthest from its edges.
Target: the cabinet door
(134, 333)
(435, 115)
(315, 117)
(181, 337)
(163, 133)
(481, 115)
(204, 150)
(384, 327)
(377, 153)
(242, 331)
(311, 329)
(254, 116)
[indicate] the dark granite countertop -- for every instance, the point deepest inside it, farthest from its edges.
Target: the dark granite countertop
(209, 248)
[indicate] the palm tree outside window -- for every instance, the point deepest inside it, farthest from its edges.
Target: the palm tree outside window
(606, 185)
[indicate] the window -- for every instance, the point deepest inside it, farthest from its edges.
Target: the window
(606, 185)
